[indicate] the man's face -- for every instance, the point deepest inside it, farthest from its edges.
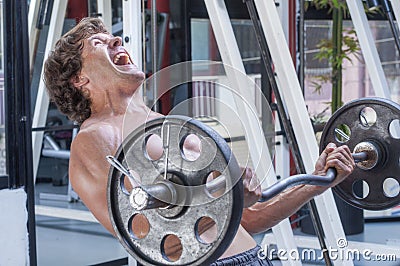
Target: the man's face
(106, 63)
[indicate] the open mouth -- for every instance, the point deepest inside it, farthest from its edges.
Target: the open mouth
(122, 59)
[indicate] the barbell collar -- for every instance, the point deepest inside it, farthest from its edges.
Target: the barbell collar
(160, 195)
(372, 155)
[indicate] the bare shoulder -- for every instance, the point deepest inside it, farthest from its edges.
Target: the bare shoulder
(91, 146)
(92, 138)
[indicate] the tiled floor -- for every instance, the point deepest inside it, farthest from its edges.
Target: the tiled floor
(71, 242)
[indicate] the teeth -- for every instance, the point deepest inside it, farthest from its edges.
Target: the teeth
(125, 59)
(116, 58)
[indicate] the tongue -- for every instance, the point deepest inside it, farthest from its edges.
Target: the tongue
(122, 61)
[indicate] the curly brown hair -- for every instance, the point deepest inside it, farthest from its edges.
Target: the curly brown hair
(64, 64)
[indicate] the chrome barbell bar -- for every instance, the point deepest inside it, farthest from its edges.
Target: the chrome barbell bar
(163, 193)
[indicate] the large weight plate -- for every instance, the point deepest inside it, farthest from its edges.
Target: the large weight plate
(179, 222)
(375, 120)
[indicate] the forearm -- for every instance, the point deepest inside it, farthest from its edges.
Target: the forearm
(264, 215)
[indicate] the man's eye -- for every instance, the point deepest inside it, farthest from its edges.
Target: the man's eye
(97, 42)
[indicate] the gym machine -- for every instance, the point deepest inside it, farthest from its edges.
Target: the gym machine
(173, 194)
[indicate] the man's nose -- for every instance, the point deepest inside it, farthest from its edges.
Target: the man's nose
(115, 41)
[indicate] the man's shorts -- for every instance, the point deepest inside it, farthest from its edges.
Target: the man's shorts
(249, 258)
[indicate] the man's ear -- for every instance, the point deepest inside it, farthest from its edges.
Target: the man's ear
(79, 81)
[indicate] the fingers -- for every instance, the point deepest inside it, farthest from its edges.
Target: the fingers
(251, 187)
(340, 158)
(340, 165)
(328, 149)
(343, 154)
(321, 161)
(345, 151)
(250, 180)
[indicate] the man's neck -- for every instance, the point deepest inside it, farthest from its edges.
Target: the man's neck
(116, 103)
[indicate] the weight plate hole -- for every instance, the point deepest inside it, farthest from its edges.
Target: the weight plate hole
(191, 147)
(342, 133)
(139, 226)
(215, 184)
(391, 187)
(206, 230)
(171, 248)
(153, 147)
(394, 129)
(127, 184)
(368, 117)
(360, 189)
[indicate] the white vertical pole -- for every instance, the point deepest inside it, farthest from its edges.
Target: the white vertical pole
(282, 151)
(32, 18)
(282, 6)
(42, 100)
(282, 232)
(104, 8)
(292, 95)
(289, 84)
(132, 29)
(258, 148)
(231, 57)
(368, 48)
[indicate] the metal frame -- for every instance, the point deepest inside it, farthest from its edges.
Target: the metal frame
(276, 41)
(368, 48)
(296, 107)
(231, 56)
(132, 32)
(42, 100)
(34, 7)
(285, 121)
(292, 94)
(132, 29)
(104, 8)
(18, 111)
(42, 103)
(132, 37)
(56, 152)
(282, 232)
(154, 52)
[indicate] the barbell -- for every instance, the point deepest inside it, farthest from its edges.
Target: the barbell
(166, 199)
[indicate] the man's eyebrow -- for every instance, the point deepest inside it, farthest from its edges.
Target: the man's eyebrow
(100, 37)
(93, 37)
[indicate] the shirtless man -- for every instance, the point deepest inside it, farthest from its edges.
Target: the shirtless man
(92, 80)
